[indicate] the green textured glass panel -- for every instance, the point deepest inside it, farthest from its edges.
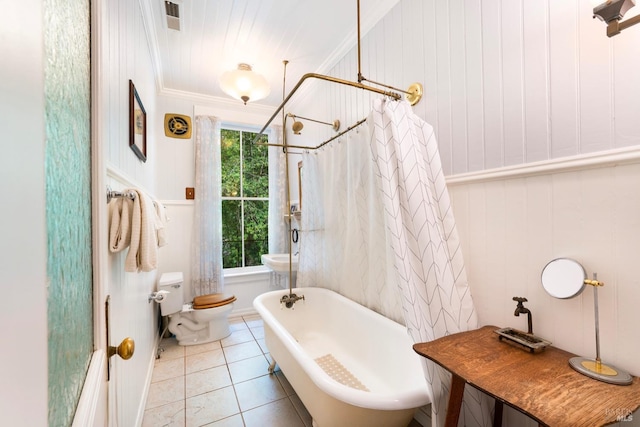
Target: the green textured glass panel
(68, 201)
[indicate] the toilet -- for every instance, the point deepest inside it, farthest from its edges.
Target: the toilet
(204, 320)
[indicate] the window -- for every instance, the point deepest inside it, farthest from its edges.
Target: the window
(245, 198)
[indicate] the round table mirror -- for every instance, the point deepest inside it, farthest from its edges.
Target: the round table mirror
(563, 278)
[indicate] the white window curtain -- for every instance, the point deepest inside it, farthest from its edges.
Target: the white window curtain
(206, 268)
(278, 241)
(436, 298)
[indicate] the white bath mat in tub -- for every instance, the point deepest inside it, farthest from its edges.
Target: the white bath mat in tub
(338, 372)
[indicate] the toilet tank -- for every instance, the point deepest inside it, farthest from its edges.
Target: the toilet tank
(173, 301)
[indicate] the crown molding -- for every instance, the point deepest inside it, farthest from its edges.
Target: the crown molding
(152, 41)
(367, 23)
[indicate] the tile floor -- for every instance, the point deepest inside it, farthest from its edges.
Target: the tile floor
(222, 384)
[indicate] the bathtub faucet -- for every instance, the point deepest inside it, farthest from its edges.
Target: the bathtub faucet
(290, 299)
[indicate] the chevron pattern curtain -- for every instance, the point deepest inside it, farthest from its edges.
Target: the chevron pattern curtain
(427, 256)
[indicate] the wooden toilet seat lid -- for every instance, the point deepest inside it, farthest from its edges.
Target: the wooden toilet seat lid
(212, 300)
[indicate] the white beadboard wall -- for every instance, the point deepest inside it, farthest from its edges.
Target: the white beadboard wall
(124, 55)
(506, 82)
(176, 171)
(511, 84)
(511, 227)
(176, 256)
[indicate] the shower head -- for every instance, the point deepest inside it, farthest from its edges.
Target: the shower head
(297, 124)
(297, 127)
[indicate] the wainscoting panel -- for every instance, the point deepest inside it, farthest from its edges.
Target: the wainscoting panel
(506, 83)
(512, 227)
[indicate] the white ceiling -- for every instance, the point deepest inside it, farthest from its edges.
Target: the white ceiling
(216, 35)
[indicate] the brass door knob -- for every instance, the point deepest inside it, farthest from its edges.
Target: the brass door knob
(124, 350)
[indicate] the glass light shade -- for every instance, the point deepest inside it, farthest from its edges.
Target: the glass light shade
(244, 84)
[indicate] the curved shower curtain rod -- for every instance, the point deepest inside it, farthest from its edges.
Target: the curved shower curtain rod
(413, 94)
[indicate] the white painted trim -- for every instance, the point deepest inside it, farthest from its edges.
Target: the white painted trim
(124, 179)
(242, 312)
(178, 202)
(152, 42)
(566, 164)
(147, 386)
(91, 410)
(229, 111)
(246, 272)
(227, 103)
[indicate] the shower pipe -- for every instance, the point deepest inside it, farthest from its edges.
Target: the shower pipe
(335, 125)
(331, 79)
(289, 299)
(306, 147)
(414, 94)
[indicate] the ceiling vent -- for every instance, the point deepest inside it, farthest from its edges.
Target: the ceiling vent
(173, 15)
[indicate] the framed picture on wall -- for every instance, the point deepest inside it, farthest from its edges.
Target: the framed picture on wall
(137, 124)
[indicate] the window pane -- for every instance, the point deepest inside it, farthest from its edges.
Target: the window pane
(230, 160)
(231, 234)
(256, 166)
(256, 231)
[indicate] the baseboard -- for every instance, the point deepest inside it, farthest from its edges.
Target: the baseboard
(242, 312)
(92, 409)
(145, 391)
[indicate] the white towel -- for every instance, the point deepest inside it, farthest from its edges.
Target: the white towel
(161, 220)
(143, 251)
(119, 224)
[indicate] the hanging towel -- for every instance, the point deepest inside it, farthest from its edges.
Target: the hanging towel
(161, 220)
(143, 251)
(119, 224)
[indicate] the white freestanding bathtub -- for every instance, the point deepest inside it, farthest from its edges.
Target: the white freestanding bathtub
(349, 365)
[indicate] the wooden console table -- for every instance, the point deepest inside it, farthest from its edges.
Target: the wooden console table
(541, 385)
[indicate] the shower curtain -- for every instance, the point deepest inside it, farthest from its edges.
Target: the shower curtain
(343, 234)
(378, 228)
(206, 265)
(427, 256)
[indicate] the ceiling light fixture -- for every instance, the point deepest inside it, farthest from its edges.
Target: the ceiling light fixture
(244, 84)
(611, 12)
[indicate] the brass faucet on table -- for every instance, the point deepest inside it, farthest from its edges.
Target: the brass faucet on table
(522, 309)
